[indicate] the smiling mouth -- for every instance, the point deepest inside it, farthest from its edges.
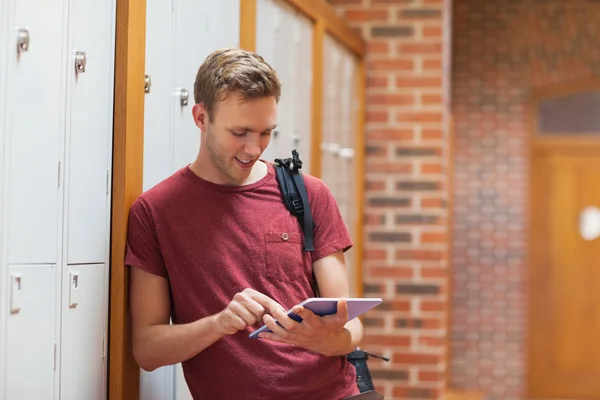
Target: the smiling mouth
(245, 163)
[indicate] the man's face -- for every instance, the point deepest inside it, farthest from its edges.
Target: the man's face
(236, 135)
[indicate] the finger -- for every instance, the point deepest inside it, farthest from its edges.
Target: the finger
(273, 337)
(248, 316)
(236, 321)
(276, 328)
(342, 310)
(288, 323)
(265, 301)
(308, 317)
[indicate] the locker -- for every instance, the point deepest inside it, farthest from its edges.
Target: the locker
(35, 110)
(158, 110)
(89, 130)
(3, 156)
(304, 85)
(284, 39)
(180, 34)
(83, 341)
(191, 31)
(30, 332)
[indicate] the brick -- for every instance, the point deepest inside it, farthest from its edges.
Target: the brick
(375, 186)
(415, 288)
(391, 2)
(377, 116)
(432, 202)
(374, 220)
(387, 374)
(390, 202)
(391, 99)
(381, 340)
(373, 322)
(421, 48)
(387, 167)
(432, 134)
(432, 99)
(390, 134)
(429, 376)
(345, 2)
(377, 82)
(415, 393)
(373, 289)
(377, 150)
(432, 31)
(365, 15)
(419, 13)
(433, 237)
(413, 151)
(422, 117)
(395, 305)
(423, 359)
(432, 168)
(390, 237)
(392, 31)
(416, 219)
(390, 272)
(394, 65)
(432, 272)
(375, 254)
(421, 255)
(378, 47)
(432, 305)
(419, 82)
(417, 185)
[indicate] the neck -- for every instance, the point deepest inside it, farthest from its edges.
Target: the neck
(204, 168)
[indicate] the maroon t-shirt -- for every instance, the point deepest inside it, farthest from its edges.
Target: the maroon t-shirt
(211, 241)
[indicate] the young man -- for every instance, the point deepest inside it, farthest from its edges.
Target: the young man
(214, 248)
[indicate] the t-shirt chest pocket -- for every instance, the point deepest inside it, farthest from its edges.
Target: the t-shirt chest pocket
(284, 256)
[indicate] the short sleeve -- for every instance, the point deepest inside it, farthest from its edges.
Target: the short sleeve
(330, 232)
(143, 250)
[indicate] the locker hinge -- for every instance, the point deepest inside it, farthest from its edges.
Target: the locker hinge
(55, 347)
(59, 169)
(107, 181)
(104, 345)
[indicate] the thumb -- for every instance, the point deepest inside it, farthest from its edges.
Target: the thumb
(342, 310)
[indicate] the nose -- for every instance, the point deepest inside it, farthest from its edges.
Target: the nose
(253, 146)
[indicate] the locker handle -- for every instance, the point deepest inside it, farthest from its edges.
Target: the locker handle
(184, 96)
(347, 152)
(23, 40)
(15, 293)
(73, 289)
(80, 61)
(147, 83)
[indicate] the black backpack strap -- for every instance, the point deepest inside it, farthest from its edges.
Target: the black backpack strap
(295, 195)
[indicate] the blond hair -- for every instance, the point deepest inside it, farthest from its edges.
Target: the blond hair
(232, 70)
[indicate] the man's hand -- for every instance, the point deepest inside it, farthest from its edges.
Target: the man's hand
(325, 335)
(246, 309)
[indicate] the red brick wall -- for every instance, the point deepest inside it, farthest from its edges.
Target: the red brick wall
(502, 51)
(406, 231)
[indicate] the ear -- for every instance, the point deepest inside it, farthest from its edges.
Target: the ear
(200, 116)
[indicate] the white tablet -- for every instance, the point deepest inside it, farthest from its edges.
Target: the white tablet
(322, 306)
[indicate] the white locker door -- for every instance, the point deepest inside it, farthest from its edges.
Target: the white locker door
(158, 140)
(35, 105)
(191, 37)
(331, 142)
(284, 64)
(267, 15)
(83, 349)
(303, 82)
(90, 110)
(3, 155)
(30, 332)
(158, 103)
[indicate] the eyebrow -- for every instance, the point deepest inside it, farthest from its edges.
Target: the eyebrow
(247, 128)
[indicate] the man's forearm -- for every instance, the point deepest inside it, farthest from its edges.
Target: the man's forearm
(162, 345)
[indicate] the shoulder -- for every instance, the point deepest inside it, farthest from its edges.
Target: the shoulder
(160, 195)
(316, 187)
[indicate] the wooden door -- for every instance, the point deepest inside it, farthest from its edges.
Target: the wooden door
(564, 280)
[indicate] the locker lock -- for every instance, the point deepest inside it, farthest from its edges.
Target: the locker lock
(22, 40)
(80, 62)
(184, 96)
(147, 83)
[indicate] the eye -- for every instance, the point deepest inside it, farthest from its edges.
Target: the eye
(239, 133)
(267, 133)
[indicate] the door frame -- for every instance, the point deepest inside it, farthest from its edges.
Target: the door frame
(580, 144)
